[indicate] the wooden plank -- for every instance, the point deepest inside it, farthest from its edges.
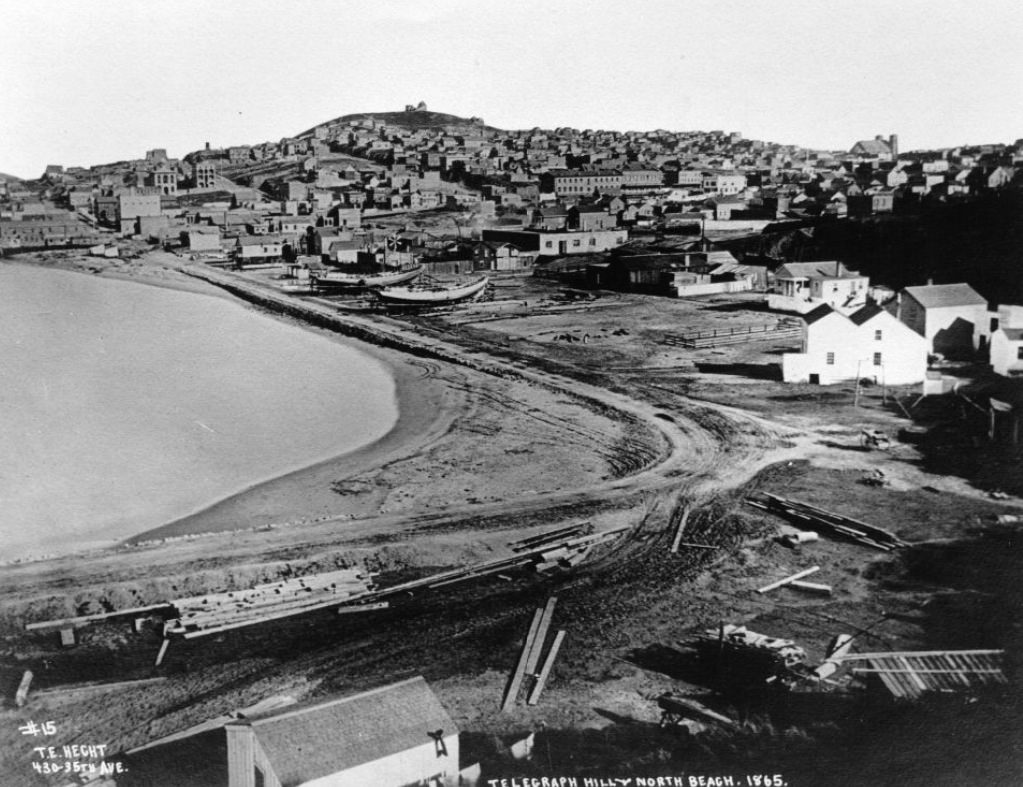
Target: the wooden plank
(541, 635)
(363, 607)
(548, 665)
(684, 706)
(893, 654)
(21, 696)
(680, 530)
(98, 687)
(543, 538)
(512, 692)
(813, 587)
(691, 545)
(163, 652)
(86, 619)
(787, 580)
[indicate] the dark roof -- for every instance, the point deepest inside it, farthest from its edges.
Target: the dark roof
(1013, 334)
(866, 313)
(830, 269)
(935, 296)
(313, 742)
(819, 313)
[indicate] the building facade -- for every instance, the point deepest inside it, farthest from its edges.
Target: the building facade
(870, 343)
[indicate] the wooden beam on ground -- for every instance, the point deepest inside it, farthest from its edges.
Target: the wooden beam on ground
(83, 620)
(163, 652)
(363, 607)
(542, 538)
(787, 580)
(97, 688)
(548, 665)
(691, 545)
(533, 658)
(512, 692)
(21, 697)
(680, 530)
(812, 587)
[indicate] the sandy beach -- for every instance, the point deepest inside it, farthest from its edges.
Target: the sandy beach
(460, 436)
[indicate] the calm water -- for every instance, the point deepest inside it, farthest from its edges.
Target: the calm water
(123, 406)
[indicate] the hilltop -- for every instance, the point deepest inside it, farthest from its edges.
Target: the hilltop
(414, 119)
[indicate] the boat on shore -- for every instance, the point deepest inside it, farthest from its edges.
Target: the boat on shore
(379, 279)
(431, 294)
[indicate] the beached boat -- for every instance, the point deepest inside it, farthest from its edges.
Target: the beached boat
(379, 279)
(297, 287)
(431, 294)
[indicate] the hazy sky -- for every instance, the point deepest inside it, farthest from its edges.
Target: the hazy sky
(91, 81)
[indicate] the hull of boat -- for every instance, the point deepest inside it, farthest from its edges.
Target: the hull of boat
(430, 296)
(338, 279)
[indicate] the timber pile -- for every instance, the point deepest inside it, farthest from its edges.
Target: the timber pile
(215, 612)
(810, 517)
(349, 590)
(555, 548)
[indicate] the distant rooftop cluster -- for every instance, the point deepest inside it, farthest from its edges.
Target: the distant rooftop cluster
(558, 192)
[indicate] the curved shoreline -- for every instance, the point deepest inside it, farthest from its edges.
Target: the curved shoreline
(425, 412)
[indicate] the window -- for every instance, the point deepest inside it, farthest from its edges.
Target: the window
(593, 241)
(549, 244)
(994, 324)
(1019, 353)
(831, 359)
(577, 242)
(877, 336)
(877, 359)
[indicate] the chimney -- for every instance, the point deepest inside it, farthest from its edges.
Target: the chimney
(207, 146)
(241, 755)
(893, 143)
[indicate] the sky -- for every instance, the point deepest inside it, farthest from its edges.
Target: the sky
(85, 82)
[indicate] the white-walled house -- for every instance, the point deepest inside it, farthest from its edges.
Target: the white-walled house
(952, 317)
(803, 286)
(1007, 352)
(869, 343)
(1006, 347)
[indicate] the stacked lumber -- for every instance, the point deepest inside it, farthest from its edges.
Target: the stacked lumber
(215, 612)
(810, 517)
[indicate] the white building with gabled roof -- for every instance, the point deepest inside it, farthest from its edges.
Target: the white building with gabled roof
(1006, 354)
(952, 317)
(869, 343)
(802, 287)
(395, 735)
